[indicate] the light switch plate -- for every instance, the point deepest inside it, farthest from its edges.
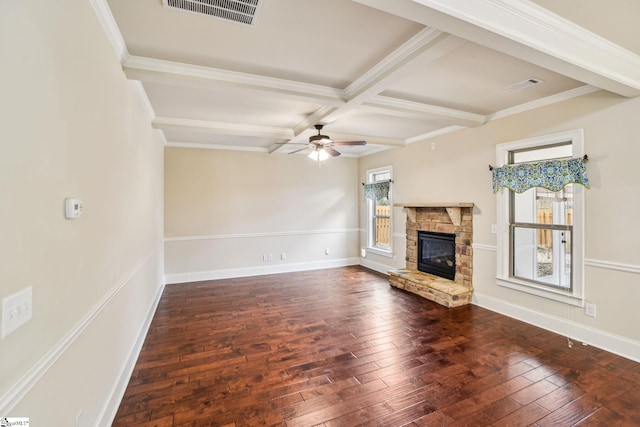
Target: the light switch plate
(16, 310)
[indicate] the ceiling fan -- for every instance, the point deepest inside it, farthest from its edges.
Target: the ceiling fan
(322, 145)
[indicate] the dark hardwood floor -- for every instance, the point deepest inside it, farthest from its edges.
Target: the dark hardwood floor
(340, 347)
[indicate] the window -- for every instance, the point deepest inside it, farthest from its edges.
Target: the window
(379, 213)
(540, 233)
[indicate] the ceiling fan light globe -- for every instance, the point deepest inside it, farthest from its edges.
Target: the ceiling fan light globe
(319, 155)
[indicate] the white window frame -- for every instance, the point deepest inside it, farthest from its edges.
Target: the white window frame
(371, 213)
(574, 296)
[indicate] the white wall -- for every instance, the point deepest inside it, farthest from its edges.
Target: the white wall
(225, 209)
(72, 126)
(457, 171)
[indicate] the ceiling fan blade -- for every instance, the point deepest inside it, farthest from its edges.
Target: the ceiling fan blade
(331, 151)
(350, 143)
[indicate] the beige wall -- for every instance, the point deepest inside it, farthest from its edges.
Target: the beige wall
(225, 209)
(73, 127)
(457, 171)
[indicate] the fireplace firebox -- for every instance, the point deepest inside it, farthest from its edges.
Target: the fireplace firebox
(437, 254)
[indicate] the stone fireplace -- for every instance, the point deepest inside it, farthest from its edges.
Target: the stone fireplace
(453, 219)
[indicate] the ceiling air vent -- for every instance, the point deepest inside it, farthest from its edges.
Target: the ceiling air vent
(525, 84)
(241, 11)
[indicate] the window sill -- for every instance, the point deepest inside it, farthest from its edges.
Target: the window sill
(540, 291)
(381, 252)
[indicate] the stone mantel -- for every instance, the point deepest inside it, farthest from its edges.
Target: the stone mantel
(453, 209)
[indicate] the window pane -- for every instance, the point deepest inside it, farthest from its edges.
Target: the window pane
(541, 206)
(381, 176)
(382, 222)
(542, 255)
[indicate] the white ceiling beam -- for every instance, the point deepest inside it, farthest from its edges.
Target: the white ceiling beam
(177, 144)
(527, 31)
(374, 140)
(542, 102)
(160, 71)
(221, 128)
(416, 110)
(433, 134)
(428, 42)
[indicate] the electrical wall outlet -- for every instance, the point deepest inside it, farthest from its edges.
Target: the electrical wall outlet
(16, 310)
(590, 310)
(283, 256)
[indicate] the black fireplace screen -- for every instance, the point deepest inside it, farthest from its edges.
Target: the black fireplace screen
(437, 254)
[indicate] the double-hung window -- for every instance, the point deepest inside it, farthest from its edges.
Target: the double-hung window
(540, 241)
(379, 210)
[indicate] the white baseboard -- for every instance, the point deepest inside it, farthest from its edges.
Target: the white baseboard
(230, 273)
(606, 341)
(108, 412)
(376, 266)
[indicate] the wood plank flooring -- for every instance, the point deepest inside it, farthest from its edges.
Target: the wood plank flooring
(340, 347)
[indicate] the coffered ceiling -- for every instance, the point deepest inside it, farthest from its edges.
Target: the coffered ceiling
(391, 72)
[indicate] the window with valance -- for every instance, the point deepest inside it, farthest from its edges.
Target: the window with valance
(377, 193)
(540, 186)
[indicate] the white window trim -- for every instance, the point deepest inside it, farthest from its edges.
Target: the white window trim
(576, 296)
(370, 248)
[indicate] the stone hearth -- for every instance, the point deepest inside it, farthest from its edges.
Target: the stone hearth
(455, 218)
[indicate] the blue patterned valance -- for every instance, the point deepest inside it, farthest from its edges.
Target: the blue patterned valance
(377, 190)
(550, 174)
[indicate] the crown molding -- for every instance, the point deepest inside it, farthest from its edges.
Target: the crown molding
(110, 28)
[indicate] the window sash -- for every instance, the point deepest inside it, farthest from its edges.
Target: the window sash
(559, 256)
